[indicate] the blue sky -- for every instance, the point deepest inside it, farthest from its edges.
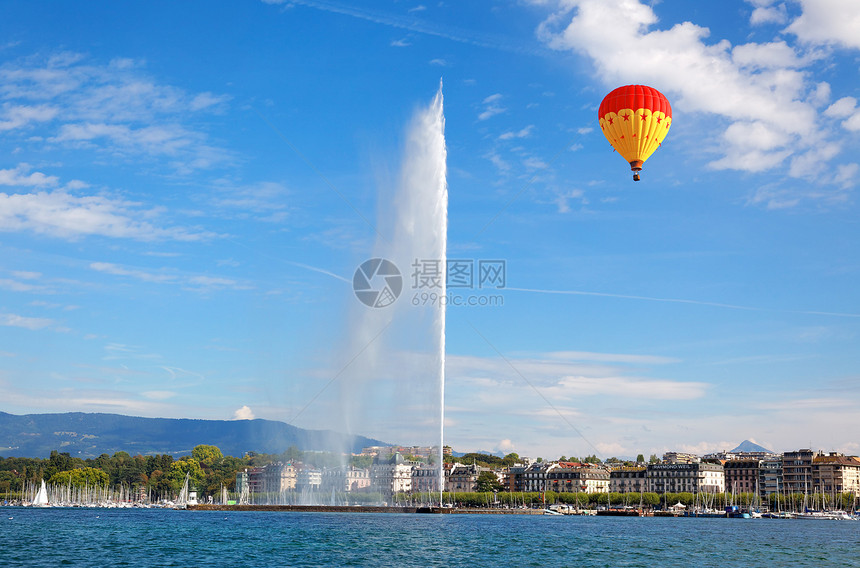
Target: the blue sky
(186, 190)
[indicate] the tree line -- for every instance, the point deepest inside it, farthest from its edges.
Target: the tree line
(159, 475)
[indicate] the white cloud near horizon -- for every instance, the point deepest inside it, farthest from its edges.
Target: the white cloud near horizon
(744, 92)
(560, 376)
(243, 413)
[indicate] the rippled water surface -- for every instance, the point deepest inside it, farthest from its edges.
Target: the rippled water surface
(152, 537)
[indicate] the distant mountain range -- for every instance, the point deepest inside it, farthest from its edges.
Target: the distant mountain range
(748, 446)
(90, 435)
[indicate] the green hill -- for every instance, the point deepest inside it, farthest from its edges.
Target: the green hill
(90, 435)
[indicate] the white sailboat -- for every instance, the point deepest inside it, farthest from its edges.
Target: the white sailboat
(182, 502)
(41, 499)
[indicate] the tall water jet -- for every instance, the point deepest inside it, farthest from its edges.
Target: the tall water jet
(395, 384)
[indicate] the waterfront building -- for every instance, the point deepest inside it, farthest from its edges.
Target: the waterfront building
(770, 476)
(463, 478)
(308, 479)
(279, 477)
(345, 479)
(628, 480)
(393, 477)
(256, 481)
(835, 473)
(273, 478)
(425, 478)
(242, 486)
(514, 478)
(686, 477)
(680, 457)
(797, 470)
(572, 477)
(742, 475)
(535, 476)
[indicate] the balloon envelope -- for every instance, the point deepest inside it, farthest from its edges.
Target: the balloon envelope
(635, 120)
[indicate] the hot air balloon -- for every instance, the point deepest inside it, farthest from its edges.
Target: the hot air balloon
(635, 120)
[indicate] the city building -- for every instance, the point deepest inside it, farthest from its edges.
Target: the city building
(392, 477)
(686, 477)
(572, 477)
(797, 470)
(425, 478)
(535, 476)
(742, 475)
(680, 457)
(835, 473)
(514, 478)
(463, 478)
(770, 476)
(628, 480)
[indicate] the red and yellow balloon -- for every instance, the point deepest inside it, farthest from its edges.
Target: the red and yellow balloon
(635, 120)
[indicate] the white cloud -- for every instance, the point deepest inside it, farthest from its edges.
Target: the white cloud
(834, 22)
(113, 107)
(501, 164)
(563, 199)
(759, 84)
(774, 55)
(562, 379)
(243, 413)
(158, 394)
(117, 270)
(27, 275)
(842, 108)
(522, 133)
(14, 320)
(534, 163)
(17, 286)
(766, 12)
(19, 177)
(492, 107)
(199, 283)
(404, 42)
(62, 214)
(611, 357)
(17, 116)
(263, 201)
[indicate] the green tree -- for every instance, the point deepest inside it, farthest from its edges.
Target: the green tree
(180, 468)
(653, 459)
(511, 459)
(640, 458)
(206, 455)
(487, 481)
(85, 476)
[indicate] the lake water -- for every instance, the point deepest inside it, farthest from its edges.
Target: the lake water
(156, 537)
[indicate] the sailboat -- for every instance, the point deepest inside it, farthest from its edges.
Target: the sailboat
(41, 499)
(182, 502)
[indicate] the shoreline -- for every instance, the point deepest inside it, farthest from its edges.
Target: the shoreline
(363, 509)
